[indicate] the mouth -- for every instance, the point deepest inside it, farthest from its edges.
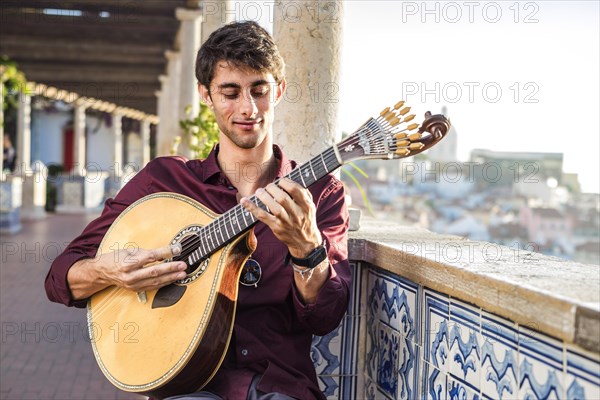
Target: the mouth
(248, 125)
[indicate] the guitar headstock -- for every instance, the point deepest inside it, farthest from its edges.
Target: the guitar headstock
(394, 134)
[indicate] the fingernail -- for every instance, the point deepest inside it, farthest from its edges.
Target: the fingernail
(181, 275)
(182, 266)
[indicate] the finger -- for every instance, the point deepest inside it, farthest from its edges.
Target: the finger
(281, 197)
(258, 212)
(138, 257)
(297, 192)
(156, 275)
(273, 206)
(162, 253)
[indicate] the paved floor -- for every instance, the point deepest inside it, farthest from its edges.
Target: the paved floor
(45, 351)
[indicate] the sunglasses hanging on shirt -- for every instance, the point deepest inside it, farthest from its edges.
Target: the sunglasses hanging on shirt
(251, 273)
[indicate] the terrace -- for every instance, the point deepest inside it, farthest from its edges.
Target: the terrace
(431, 316)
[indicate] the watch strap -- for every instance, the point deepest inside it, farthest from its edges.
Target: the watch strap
(316, 257)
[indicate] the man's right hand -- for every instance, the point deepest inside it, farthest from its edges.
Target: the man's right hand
(133, 269)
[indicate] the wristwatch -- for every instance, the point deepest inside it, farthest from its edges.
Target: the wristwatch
(316, 257)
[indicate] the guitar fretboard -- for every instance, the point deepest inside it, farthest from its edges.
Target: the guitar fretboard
(238, 220)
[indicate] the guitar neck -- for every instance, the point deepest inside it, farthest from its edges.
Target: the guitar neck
(238, 220)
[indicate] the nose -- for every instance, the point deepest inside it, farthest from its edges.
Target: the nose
(248, 106)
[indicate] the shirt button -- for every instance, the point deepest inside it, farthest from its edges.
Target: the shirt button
(230, 187)
(244, 352)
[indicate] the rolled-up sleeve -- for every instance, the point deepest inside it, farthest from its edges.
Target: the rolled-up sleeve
(325, 314)
(86, 245)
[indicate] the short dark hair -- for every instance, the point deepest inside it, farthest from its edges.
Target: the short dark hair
(242, 45)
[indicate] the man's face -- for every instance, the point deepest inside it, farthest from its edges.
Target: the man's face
(243, 101)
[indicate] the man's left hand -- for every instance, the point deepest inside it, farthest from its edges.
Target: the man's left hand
(292, 216)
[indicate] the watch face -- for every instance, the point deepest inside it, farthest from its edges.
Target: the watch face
(319, 256)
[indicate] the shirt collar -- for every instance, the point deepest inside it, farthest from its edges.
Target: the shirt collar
(210, 166)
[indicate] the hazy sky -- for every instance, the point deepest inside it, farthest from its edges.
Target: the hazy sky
(515, 76)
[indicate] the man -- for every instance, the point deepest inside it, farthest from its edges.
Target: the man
(241, 77)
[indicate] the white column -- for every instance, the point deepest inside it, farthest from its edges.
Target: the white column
(171, 93)
(215, 14)
(24, 134)
(162, 135)
(79, 140)
(189, 43)
(2, 129)
(117, 125)
(145, 133)
(310, 43)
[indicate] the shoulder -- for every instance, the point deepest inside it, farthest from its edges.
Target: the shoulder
(167, 161)
(170, 163)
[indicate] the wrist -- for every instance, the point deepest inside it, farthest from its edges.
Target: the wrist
(304, 250)
(315, 257)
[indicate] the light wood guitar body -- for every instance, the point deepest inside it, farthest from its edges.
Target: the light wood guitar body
(173, 349)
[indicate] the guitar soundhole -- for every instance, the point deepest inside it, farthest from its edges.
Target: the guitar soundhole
(188, 239)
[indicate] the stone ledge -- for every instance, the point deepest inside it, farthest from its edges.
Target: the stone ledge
(557, 297)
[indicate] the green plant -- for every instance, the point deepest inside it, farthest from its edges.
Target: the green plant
(13, 82)
(201, 132)
(345, 170)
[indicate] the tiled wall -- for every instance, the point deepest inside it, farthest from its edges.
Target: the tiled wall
(415, 343)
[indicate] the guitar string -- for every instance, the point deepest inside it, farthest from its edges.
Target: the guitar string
(189, 245)
(237, 211)
(220, 224)
(209, 232)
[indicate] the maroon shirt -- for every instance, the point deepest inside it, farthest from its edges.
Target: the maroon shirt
(273, 328)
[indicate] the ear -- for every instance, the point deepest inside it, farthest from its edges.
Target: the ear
(280, 91)
(205, 95)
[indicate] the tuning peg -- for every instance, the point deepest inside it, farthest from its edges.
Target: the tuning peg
(416, 146)
(385, 111)
(394, 121)
(412, 127)
(403, 152)
(389, 116)
(399, 104)
(414, 137)
(400, 136)
(404, 110)
(402, 143)
(409, 118)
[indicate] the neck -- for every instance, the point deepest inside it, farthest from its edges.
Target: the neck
(247, 169)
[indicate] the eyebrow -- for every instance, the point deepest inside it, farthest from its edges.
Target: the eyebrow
(227, 85)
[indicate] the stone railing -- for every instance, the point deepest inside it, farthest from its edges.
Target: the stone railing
(441, 317)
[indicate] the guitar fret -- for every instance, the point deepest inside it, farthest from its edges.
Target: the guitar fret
(324, 165)
(312, 170)
(301, 178)
(202, 243)
(305, 174)
(232, 228)
(220, 233)
(244, 212)
(224, 225)
(210, 237)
